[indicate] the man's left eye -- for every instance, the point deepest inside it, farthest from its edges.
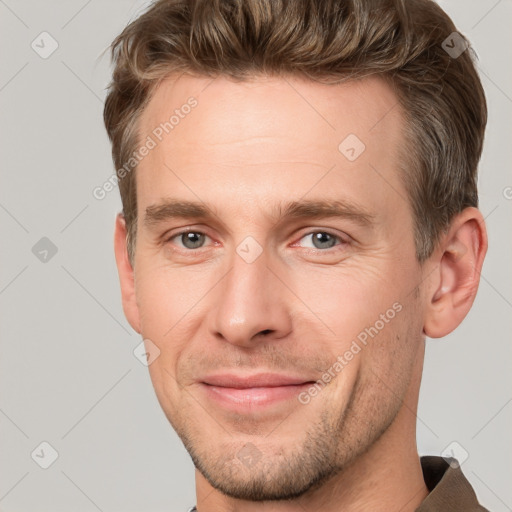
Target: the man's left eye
(321, 240)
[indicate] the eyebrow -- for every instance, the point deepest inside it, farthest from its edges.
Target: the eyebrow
(302, 209)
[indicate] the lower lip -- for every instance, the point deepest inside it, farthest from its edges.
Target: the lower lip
(253, 398)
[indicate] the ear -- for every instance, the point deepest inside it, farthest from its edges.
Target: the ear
(457, 263)
(126, 274)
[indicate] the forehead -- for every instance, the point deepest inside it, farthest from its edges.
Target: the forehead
(271, 104)
(285, 132)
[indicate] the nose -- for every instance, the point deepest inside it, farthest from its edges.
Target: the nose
(250, 304)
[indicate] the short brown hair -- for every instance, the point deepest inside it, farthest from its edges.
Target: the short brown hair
(327, 41)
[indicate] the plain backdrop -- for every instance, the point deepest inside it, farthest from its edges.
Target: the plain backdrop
(68, 375)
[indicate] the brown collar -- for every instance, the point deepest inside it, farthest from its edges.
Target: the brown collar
(449, 488)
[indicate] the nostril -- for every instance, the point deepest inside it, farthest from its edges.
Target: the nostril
(266, 331)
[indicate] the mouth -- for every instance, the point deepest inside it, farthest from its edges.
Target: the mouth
(251, 392)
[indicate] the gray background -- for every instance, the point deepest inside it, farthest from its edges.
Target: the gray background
(68, 375)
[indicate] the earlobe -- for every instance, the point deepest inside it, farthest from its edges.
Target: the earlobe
(126, 274)
(458, 263)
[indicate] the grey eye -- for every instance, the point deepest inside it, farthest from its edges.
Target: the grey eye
(322, 240)
(192, 239)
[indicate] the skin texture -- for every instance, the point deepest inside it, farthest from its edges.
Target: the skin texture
(245, 150)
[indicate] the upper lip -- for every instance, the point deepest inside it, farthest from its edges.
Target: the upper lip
(260, 380)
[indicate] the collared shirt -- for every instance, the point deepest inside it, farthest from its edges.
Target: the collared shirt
(449, 490)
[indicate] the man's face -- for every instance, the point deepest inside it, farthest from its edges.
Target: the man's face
(298, 252)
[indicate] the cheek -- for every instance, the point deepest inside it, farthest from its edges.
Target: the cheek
(372, 326)
(165, 296)
(392, 354)
(348, 301)
(162, 311)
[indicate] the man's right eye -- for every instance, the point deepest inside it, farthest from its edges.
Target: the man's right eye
(189, 239)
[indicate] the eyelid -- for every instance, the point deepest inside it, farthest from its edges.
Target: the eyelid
(171, 233)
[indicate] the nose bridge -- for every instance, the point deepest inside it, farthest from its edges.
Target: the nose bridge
(250, 299)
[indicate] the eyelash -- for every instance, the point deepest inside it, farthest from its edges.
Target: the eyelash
(310, 233)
